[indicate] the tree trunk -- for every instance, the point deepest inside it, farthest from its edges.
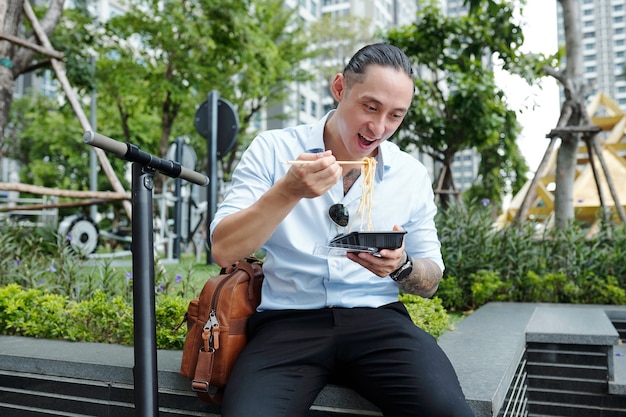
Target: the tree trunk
(15, 59)
(573, 113)
(445, 189)
(10, 17)
(565, 174)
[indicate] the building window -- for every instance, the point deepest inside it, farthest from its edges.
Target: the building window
(302, 103)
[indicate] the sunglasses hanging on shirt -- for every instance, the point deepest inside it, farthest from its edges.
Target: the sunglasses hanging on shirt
(339, 214)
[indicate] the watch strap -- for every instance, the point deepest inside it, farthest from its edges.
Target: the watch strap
(403, 270)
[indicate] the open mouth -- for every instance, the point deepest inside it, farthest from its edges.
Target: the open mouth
(366, 142)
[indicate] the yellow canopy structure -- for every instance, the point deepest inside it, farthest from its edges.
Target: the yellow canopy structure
(607, 115)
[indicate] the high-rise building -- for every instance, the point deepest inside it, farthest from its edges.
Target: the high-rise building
(603, 25)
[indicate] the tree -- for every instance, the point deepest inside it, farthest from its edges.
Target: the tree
(573, 112)
(164, 57)
(18, 59)
(157, 63)
(458, 104)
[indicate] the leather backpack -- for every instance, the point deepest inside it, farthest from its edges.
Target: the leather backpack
(216, 327)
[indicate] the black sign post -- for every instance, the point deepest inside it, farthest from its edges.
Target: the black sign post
(216, 121)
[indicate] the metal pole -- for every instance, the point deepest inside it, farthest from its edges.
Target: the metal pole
(145, 370)
(177, 204)
(144, 312)
(93, 158)
(212, 167)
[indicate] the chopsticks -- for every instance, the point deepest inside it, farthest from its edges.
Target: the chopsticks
(308, 162)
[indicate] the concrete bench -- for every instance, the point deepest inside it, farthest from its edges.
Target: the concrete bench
(486, 348)
(496, 352)
(543, 359)
(50, 377)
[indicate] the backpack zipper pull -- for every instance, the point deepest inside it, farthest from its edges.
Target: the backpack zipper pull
(213, 327)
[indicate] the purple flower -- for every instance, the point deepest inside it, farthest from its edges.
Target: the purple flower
(128, 276)
(16, 261)
(159, 288)
(179, 278)
(485, 202)
(51, 268)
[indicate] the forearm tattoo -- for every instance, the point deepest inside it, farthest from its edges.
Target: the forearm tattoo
(424, 278)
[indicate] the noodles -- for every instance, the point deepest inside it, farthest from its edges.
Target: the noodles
(364, 210)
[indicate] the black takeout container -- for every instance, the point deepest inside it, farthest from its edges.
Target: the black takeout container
(378, 240)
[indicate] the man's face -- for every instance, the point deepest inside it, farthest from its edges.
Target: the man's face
(372, 110)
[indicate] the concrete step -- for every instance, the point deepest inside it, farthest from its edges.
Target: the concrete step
(617, 370)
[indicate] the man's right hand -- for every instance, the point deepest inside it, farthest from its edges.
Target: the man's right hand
(314, 178)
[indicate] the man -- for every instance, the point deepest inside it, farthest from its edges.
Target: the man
(335, 318)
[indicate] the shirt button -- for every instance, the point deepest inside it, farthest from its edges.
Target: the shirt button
(333, 264)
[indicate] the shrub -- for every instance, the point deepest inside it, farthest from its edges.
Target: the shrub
(450, 293)
(527, 263)
(487, 286)
(32, 312)
(429, 314)
(46, 290)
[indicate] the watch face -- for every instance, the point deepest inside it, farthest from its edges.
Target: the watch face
(404, 271)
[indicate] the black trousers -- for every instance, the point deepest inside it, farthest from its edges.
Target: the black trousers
(378, 352)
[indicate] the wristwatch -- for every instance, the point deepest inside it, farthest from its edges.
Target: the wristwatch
(403, 270)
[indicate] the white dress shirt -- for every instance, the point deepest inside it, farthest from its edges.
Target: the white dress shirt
(296, 278)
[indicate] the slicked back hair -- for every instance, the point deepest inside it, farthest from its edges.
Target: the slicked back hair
(381, 54)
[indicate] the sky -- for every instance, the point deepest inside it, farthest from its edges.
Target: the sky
(538, 107)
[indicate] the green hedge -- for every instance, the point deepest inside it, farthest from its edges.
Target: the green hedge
(32, 312)
(527, 264)
(104, 319)
(46, 290)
